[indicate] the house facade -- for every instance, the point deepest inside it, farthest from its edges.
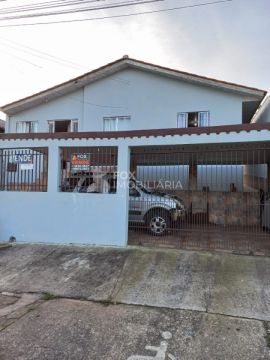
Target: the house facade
(132, 95)
(68, 150)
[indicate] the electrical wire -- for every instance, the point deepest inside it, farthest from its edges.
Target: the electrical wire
(55, 59)
(118, 16)
(39, 6)
(88, 102)
(79, 10)
(44, 56)
(20, 58)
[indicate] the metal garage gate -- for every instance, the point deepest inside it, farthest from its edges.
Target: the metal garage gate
(204, 196)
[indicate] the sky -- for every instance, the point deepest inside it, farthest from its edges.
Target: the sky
(228, 41)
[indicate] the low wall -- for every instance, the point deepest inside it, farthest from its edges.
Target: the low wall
(63, 218)
(66, 217)
(224, 208)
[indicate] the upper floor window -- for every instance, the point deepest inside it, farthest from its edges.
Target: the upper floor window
(63, 126)
(193, 119)
(26, 126)
(116, 123)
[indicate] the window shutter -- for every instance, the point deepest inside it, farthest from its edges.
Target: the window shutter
(182, 120)
(33, 126)
(51, 126)
(107, 125)
(74, 125)
(123, 123)
(19, 128)
(203, 118)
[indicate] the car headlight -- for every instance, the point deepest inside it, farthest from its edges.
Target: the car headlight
(180, 206)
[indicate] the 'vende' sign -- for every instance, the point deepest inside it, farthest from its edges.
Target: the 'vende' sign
(24, 160)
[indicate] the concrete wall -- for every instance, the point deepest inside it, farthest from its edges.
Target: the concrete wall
(152, 102)
(59, 217)
(85, 218)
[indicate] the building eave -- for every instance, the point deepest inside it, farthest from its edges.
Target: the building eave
(138, 133)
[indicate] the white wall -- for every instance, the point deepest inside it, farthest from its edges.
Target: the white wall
(152, 101)
(263, 114)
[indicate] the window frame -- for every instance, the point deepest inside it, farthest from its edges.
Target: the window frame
(51, 125)
(117, 120)
(27, 125)
(186, 113)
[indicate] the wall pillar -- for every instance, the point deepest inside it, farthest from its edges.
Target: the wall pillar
(123, 167)
(53, 167)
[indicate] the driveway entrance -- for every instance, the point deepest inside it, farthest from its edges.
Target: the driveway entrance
(201, 196)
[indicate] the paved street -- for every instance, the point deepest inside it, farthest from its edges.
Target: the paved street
(64, 302)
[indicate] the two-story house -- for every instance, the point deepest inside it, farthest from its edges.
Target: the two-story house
(190, 135)
(133, 95)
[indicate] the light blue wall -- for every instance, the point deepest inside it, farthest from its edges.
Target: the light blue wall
(65, 107)
(58, 217)
(152, 101)
(100, 219)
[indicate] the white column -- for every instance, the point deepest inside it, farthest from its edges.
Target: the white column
(53, 167)
(122, 189)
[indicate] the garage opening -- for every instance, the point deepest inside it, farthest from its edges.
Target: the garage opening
(201, 196)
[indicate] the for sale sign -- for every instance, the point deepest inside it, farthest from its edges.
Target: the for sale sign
(24, 160)
(80, 162)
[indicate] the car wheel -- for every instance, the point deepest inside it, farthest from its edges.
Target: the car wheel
(158, 222)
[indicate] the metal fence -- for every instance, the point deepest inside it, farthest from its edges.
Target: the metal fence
(206, 196)
(88, 169)
(24, 169)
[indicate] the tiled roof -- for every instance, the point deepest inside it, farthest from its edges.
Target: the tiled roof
(140, 133)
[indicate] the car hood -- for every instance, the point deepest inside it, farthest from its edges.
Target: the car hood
(164, 199)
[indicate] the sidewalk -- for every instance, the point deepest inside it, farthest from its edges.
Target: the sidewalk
(214, 283)
(66, 302)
